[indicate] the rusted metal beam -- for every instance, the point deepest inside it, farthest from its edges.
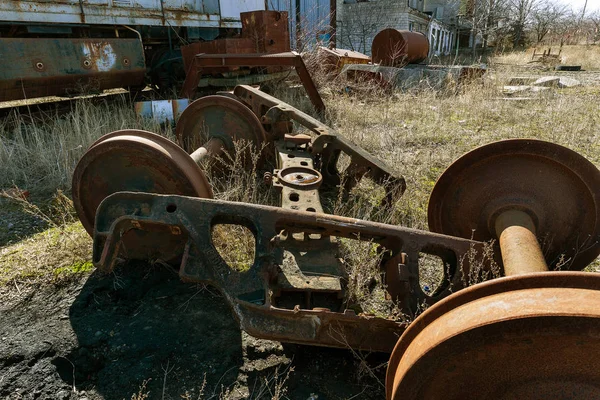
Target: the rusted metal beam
(256, 295)
(291, 59)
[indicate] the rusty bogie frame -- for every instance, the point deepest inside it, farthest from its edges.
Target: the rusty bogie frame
(258, 296)
(531, 334)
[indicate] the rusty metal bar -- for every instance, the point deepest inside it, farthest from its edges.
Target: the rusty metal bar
(291, 59)
(521, 252)
(260, 101)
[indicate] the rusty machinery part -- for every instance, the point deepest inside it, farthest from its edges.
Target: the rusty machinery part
(532, 336)
(133, 160)
(212, 124)
(300, 177)
(524, 182)
(269, 301)
(298, 183)
(394, 48)
(291, 59)
(277, 115)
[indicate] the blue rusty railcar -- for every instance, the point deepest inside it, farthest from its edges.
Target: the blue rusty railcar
(56, 47)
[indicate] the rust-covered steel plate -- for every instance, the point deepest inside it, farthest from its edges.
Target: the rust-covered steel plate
(534, 336)
(220, 117)
(134, 161)
(557, 187)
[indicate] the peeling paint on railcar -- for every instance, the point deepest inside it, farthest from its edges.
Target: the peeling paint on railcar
(56, 67)
(101, 55)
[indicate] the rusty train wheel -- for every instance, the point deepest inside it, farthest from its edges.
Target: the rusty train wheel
(530, 335)
(558, 188)
(220, 117)
(135, 161)
(533, 336)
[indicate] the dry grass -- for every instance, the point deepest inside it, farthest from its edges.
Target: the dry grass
(418, 134)
(54, 255)
(41, 156)
(588, 56)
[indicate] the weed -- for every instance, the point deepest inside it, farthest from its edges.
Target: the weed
(142, 393)
(479, 267)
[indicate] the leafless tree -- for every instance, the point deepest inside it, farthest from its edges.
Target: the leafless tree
(361, 23)
(545, 18)
(486, 18)
(594, 24)
(565, 30)
(520, 13)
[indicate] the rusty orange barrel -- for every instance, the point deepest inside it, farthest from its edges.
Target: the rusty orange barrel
(393, 48)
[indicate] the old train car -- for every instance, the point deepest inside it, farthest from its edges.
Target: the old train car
(61, 47)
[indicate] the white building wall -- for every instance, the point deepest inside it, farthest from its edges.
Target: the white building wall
(358, 23)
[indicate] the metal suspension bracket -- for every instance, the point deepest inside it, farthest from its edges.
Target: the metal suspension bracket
(277, 116)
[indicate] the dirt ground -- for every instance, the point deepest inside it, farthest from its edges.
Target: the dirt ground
(103, 336)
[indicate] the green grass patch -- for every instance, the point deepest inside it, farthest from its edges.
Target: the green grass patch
(52, 255)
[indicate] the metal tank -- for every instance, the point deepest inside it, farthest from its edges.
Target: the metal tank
(394, 48)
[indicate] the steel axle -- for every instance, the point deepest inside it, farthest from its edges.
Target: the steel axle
(210, 125)
(521, 252)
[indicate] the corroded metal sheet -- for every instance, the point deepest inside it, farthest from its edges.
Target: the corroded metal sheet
(528, 337)
(59, 67)
(269, 30)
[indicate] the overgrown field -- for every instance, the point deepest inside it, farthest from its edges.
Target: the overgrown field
(417, 133)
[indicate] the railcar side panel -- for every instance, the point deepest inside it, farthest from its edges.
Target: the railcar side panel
(178, 13)
(58, 67)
